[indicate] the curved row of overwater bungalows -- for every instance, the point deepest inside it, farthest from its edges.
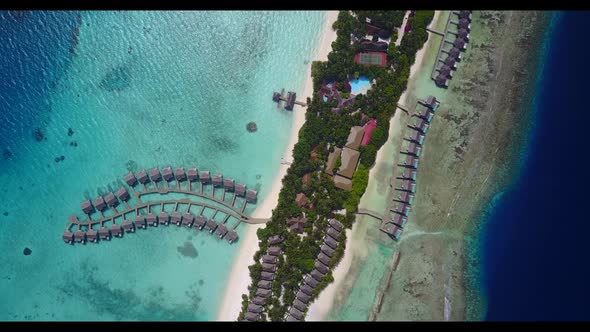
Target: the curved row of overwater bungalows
(409, 160)
(447, 63)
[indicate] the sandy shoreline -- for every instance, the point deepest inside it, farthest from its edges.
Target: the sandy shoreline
(320, 308)
(239, 276)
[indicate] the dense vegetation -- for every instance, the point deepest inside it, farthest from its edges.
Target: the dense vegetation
(322, 131)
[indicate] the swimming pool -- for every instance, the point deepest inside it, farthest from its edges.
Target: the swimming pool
(360, 86)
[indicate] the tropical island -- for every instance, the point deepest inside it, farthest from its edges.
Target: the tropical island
(313, 203)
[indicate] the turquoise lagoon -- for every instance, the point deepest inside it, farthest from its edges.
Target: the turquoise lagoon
(142, 89)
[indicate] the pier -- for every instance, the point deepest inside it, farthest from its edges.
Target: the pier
(290, 99)
(158, 183)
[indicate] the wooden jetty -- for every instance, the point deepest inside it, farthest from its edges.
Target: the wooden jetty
(290, 99)
(84, 228)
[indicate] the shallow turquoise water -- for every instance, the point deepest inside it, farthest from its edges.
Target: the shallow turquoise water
(145, 89)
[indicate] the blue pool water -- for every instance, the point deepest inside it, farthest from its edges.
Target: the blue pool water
(138, 89)
(360, 86)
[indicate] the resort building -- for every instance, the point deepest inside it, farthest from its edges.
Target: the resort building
(369, 127)
(296, 224)
(167, 173)
(332, 158)
(301, 200)
(355, 137)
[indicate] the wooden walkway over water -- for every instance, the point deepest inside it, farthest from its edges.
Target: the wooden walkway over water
(159, 183)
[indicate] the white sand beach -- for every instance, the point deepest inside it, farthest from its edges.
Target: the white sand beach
(320, 308)
(239, 276)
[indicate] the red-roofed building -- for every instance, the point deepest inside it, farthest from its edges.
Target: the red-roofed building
(369, 127)
(371, 58)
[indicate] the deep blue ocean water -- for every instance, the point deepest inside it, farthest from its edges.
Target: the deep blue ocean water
(535, 247)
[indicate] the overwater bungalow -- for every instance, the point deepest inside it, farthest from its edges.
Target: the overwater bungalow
(251, 196)
(464, 24)
(424, 113)
(268, 267)
(465, 14)
(330, 242)
(408, 185)
(130, 179)
(99, 203)
(463, 33)
(200, 222)
(411, 161)
(176, 218)
(392, 230)
(104, 233)
(267, 276)
(68, 237)
(155, 174)
(128, 226)
(321, 266)
(164, 218)
(221, 230)
(291, 319)
(306, 289)
(92, 235)
(421, 125)
(116, 230)
(309, 280)
(455, 53)
(269, 259)
(460, 44)
(275, 251)
(446, 71)
(142, 177)
(152, 220)
(413, 149)
(295, 313)
(140, 222)
(251, 317)
(240, 189)
(299, 305)
(259, 300)
(402, 208)
(290, 101)
(399, 220)
(231, 236)
(188, 219)
(405, 197)
(333, 233)
(228, 184)
(327, 250)
(205, 177)
(263, 292)
(179, 174)
(317, 275)
(254, 308)
(450, 62)
(122, 194)
(442, 80)
(409, 174)
(275, 239)
(192, 174)
(87, 207)
(303, 297)
(264, 284)
(217, 180)
(415, 136)
(323, 258)
(337, 225)
(211, 225)
(110, 199)
(80, 236)
(167, 173)
(432, 103)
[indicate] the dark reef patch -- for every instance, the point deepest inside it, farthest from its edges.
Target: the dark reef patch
(27, 251)
(38, 134)
(188, 250)
(117, 79)
(7, 154)
(70, 131)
